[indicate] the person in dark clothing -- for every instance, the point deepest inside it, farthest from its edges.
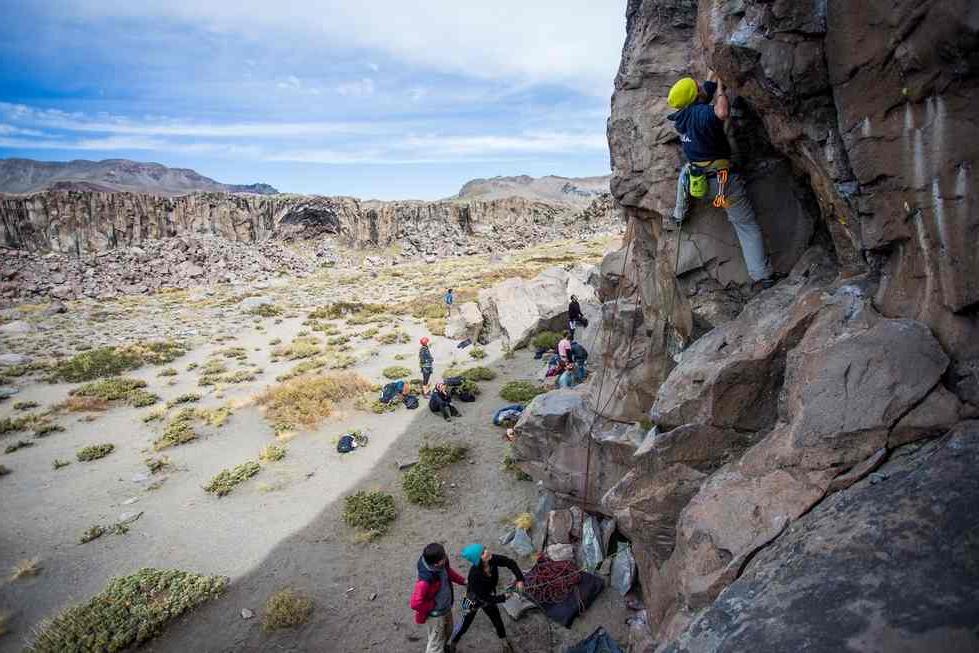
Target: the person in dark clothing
(441, 402)
(579, 355)
(484, 576)
(709, 174)
(574, 315)
(426, 362)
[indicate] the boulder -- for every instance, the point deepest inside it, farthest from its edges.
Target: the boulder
(467, 322)
(7, 360)
(879, 566)
(516, 309)
(17, 327)
(252, 303)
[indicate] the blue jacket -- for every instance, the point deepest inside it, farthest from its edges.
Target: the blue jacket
(701, 133)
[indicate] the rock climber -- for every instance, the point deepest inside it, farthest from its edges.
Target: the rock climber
(708, 170)
(564, 346)
(432, 597)
(484, 576)
(580, 357)
(426, 362)
(568, 378)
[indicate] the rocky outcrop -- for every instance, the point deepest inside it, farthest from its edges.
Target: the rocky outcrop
(789, 408)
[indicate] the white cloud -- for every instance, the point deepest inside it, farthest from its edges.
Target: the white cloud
(358, 88)
(570, 42)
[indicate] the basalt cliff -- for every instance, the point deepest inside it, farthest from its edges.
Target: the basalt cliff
(70, 244)
(801, 476)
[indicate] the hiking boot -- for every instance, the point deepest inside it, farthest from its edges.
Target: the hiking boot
(764, 284)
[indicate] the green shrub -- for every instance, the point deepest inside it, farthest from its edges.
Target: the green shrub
(546, 340)
(338, 310)
(272, 453)
(169, 371)
(435, 326)
(393, 337)
(510, 465)
(286, 609)
(369, 402)
(396, 372)
(25, 405)
(370, 512)
(180, 430)
(266, 310)
(22, 423)
(187, 398)
(521, 392)
(118, 388)
(157, 464)
(470, 386)
(477, 353)
(129, 611)
(94, 452)
(46, 429)
(473, 373)
(58, 464)
(422, 486)
(20, 444)
(112, 361)
(438, 456)
(93, 533)
(226, 480)
(307, 400)
(338, 340)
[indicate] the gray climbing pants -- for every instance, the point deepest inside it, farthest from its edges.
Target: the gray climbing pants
(739, 213)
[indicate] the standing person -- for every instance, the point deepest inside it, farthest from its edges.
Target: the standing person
(564, 347)
(433, 597)
(574, 315)
(441, 402)
(449, 300)
(426, 362)
(484, 575)
(579, 355)
(709, 172)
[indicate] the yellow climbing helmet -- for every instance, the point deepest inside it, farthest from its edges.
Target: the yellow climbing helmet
(683, 93)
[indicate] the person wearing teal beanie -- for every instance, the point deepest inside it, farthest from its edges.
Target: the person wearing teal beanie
(484, 575)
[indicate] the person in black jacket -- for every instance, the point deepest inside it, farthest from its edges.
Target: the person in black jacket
(441, 402)
(484, 575)
(574, 315)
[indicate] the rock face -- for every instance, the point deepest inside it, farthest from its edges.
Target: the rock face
(467, 322)
(864, 570)
(777, 431)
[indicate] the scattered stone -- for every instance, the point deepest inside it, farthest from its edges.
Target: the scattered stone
(246, 613)
(7, 360)
(16, 327)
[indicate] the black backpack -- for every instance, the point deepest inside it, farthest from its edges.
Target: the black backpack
(578, 352)
(466, 396)
(453, 381)
(411, 402)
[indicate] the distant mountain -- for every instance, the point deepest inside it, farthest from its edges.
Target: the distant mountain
(569, 190)
(28, 176)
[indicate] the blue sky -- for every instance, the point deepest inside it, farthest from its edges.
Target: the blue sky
(377, 98)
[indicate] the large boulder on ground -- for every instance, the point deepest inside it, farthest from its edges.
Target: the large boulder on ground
(516, 309)
(886, 565)
(467, 322)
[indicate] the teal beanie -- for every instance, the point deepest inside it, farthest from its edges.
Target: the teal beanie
(473, 553)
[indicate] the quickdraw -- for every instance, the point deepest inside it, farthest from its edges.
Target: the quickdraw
(720, 201)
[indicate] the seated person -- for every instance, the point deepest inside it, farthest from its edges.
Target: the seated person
(441, 402)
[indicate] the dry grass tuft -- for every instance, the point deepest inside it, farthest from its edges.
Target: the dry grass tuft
(272, 452)
(305, 401)
(287, 609)
(25, 568)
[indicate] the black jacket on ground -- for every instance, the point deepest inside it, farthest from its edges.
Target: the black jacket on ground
(482, 587)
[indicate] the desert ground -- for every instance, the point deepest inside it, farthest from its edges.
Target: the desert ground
(281, 528)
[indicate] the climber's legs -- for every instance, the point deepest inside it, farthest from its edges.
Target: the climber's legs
(682, 197)
(742, 217)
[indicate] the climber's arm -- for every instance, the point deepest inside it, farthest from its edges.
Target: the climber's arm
(722, 108)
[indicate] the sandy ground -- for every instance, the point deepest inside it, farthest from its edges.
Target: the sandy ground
(279, 529)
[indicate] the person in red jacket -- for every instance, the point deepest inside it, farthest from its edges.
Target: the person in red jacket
(433, 597)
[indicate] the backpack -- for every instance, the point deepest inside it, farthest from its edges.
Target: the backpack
(411, 402)
(346, 444)
(391, 390)
(452, 381)
(578, 352)
(466, 396)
